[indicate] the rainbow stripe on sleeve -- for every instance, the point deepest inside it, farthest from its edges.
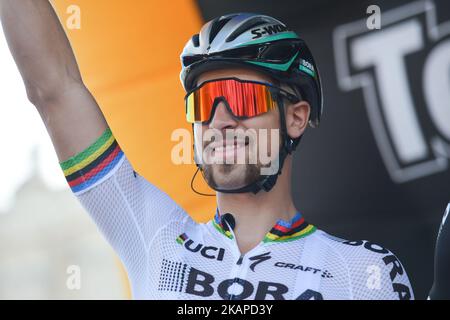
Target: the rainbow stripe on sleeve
(90, 167)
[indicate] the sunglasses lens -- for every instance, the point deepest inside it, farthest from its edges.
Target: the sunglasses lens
(245, 99)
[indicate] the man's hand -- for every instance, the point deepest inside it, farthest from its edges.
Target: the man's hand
(51, 76)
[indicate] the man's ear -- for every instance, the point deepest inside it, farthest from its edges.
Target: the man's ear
(297, 116)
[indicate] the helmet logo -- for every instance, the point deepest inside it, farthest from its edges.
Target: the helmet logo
(268, 30)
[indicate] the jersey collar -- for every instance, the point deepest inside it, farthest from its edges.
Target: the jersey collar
(282, 231)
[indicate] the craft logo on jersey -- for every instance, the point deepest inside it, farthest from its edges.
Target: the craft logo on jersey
(403, 71)
(292, 266)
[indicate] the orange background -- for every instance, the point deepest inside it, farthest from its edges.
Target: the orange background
(128, 53)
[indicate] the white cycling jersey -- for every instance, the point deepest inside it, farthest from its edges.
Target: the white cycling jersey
(169, 256)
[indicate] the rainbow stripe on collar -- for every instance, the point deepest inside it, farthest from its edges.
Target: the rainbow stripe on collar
(222, 228)
(93, 165)
(282, 231)
(294, 229)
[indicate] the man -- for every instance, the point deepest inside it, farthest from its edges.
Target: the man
(258, 246)
(441, 284)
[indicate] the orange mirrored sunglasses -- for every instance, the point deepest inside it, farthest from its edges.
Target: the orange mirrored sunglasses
(243, 98)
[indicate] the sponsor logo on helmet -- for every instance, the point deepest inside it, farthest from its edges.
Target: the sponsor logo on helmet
(268, 30)
(307, 67)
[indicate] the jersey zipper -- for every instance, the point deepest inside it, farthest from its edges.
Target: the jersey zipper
(238, 268)
(241, 267)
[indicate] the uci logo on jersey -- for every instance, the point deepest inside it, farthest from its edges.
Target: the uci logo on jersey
(209, 252)
(268, 30)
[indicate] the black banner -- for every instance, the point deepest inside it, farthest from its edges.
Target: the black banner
(378, 166)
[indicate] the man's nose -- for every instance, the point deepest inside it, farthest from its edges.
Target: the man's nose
(223, 118)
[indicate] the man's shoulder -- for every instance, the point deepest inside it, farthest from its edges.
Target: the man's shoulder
(372, 268)
(357, 248)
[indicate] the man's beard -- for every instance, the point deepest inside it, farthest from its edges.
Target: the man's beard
(231, 176)
(246, 167)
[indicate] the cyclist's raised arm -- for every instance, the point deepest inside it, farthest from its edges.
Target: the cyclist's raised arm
(50, 72)
(128, 210)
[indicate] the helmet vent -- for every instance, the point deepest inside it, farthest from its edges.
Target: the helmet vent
(217, 25)
(196, 40)
(247, 25)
